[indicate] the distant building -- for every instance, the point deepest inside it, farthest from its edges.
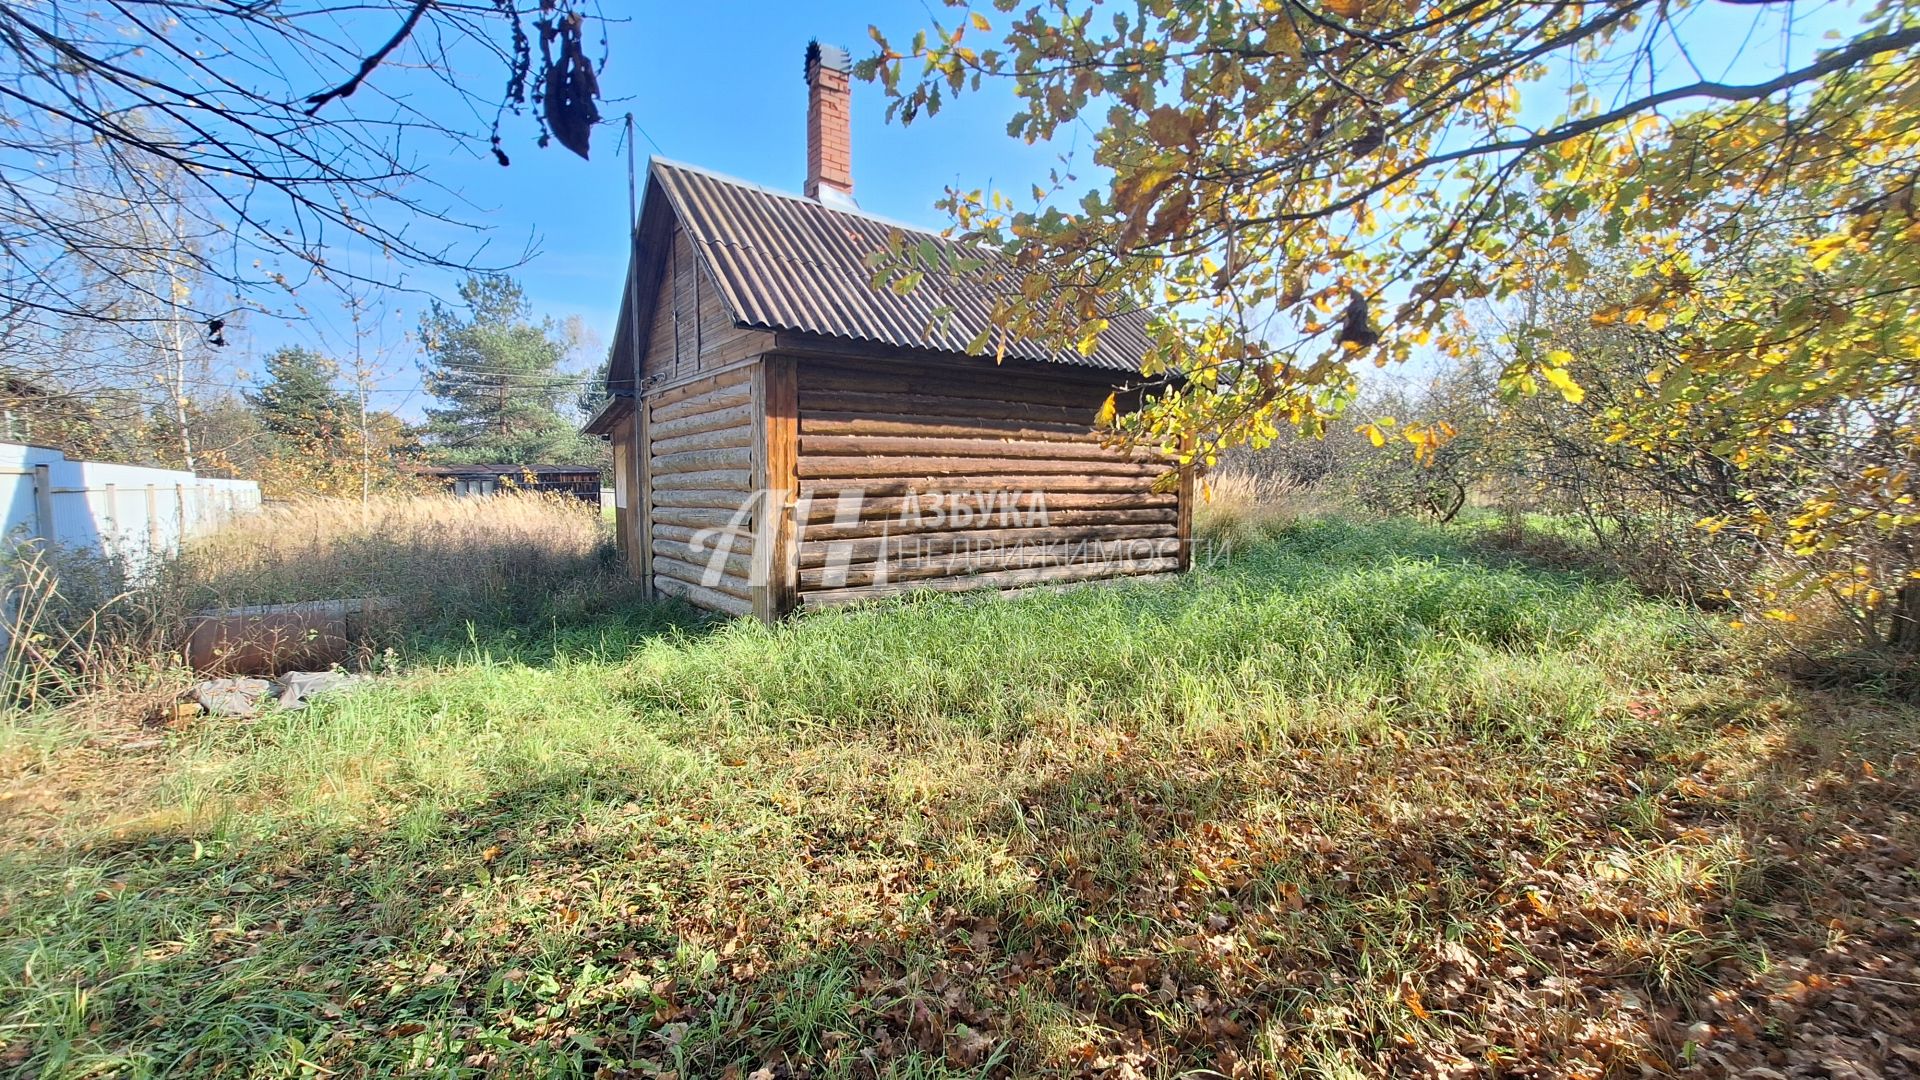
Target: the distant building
(31, 412)
(575, 480)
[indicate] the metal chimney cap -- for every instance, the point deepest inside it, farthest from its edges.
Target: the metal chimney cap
(831, 57)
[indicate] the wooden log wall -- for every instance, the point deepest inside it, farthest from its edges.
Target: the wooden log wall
(694, 430)
(967, 480)
(699, 475)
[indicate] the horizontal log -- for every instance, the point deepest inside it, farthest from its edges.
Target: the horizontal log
(696, 574)
(738, 417)
(726, 397)
(717, 439)
(702, 597)
(949, 510)
(864, 445)
(716, 498)
(874, 572)
(695, 517)
(873, 356)
(828, 505)
(1004, 579)
(712, 478)
(999, 385)
(878, 404)
(732, 345)
(818, 552)
(732, 457)
(828, 422)
(708, 537)
(818, 467)
(877, 487)
(734, 377)
(898, 526)
(738, 562)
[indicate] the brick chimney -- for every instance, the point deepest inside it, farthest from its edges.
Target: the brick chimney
(829, 124)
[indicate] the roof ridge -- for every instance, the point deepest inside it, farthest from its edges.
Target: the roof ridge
(726, 178)
(782, 261)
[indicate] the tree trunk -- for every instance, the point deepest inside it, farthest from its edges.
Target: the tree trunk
(362, 381)
(1904, 632)
(177, 385)
(177, 347)
(1903, 628)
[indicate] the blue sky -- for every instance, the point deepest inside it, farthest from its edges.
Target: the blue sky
(720, 85)
(717, 85)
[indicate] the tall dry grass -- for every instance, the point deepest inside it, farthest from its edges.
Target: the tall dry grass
(1236, 507)
(424, 551)
(80, 627)
(75, 623)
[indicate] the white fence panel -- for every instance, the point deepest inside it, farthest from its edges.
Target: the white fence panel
(128, 511)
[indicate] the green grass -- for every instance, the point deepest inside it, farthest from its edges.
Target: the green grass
(1344, 805)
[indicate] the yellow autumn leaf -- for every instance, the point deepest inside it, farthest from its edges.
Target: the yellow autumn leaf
(1564, 383)
(980, 22)
(1109, 411)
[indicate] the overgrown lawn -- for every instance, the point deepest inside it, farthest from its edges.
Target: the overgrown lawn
(1359, 802)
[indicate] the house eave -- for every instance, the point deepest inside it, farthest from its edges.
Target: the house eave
(615, 409)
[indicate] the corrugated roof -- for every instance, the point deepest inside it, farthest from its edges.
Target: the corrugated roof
(787, 262)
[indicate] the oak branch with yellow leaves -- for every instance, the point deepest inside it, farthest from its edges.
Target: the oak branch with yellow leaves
(1295, 188)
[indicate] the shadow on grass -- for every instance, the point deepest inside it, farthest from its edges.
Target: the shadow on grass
(595, 623)
(1282, 908)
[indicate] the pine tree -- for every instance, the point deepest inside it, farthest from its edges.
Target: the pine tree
(497, 375)
(299, 404)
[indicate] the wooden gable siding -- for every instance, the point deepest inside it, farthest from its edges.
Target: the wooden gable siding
(898, 433)
(691, 333)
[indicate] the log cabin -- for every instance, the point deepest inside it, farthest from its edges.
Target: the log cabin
(786, 434)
